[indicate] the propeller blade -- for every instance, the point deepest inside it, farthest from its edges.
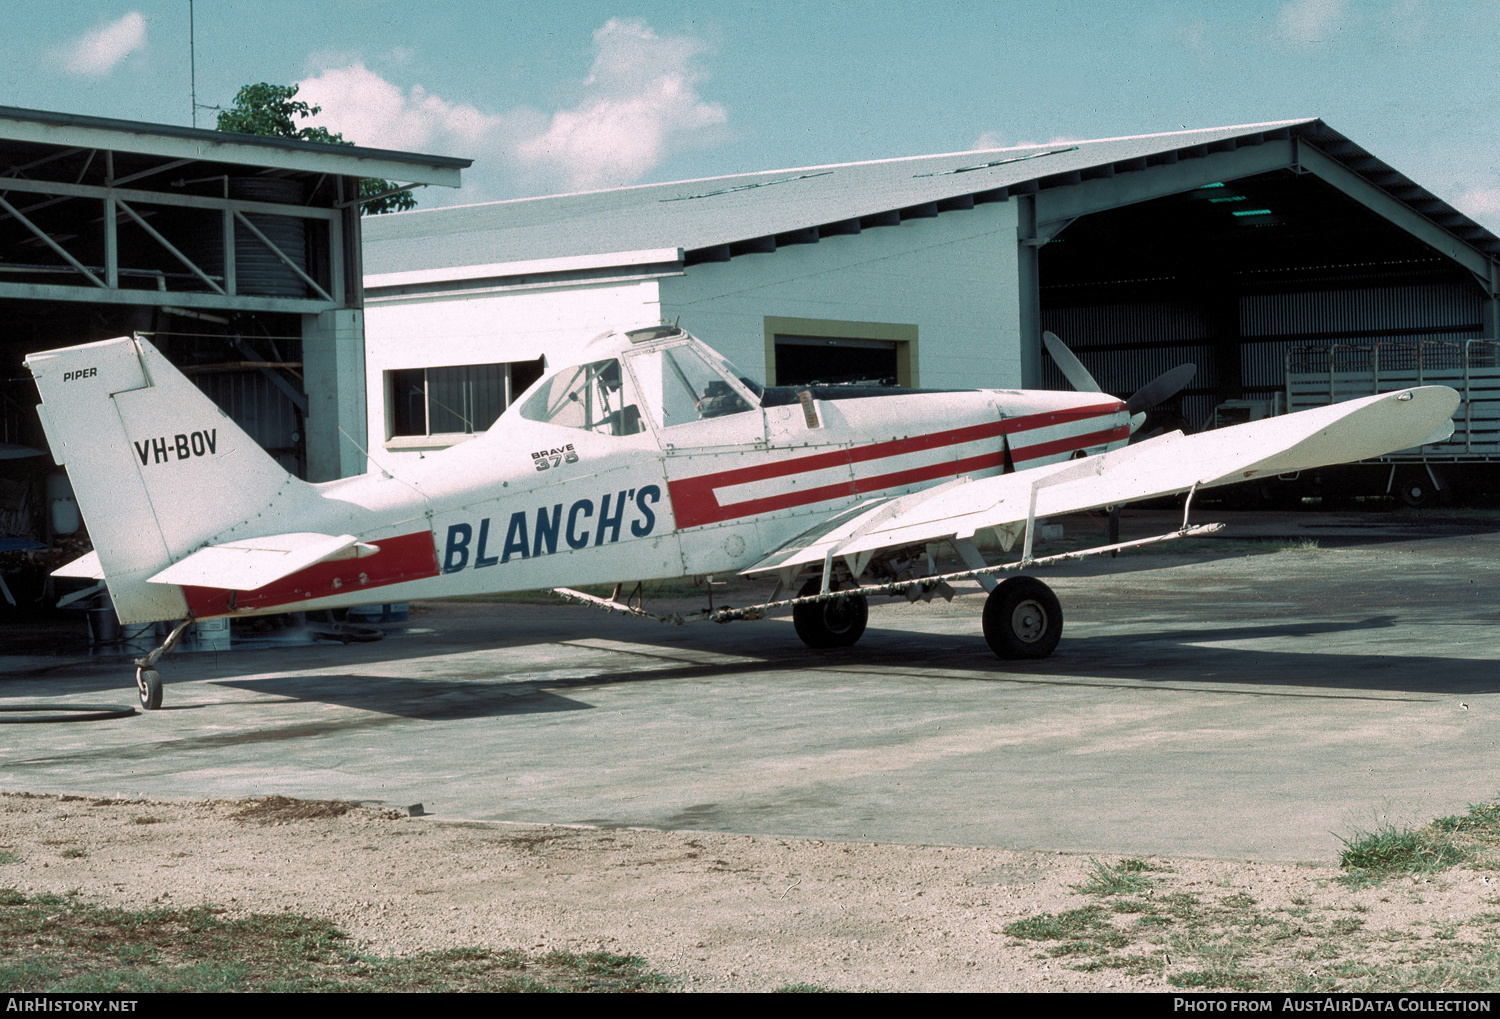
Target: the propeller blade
(1073, 370)
(1160, 388)
(1136, 420)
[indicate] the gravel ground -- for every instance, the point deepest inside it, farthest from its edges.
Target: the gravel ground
(710, 911)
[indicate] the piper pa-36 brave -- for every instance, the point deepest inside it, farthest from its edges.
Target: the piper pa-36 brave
(651, 458)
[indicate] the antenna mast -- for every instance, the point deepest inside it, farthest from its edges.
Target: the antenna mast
(192, 63)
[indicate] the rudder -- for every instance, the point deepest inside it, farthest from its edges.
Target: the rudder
(157, 467)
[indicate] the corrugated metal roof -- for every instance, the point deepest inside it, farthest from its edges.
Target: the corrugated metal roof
(717, 211)
(51, 128)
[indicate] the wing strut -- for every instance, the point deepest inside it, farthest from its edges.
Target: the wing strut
(913, 589)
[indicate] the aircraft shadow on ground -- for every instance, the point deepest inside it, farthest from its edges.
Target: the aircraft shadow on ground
(1133, 659)
(432, 700)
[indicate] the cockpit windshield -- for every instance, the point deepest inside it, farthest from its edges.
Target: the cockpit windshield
(679, 385)
(595, 396)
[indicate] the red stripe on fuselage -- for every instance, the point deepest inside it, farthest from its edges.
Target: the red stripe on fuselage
(694, 501)
(1024, 454)
(401, 558)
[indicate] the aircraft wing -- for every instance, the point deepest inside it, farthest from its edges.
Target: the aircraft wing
(251, 563)
(1340, 433)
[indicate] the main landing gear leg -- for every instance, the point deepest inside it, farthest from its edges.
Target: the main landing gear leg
(147, 679)
(1022, 619)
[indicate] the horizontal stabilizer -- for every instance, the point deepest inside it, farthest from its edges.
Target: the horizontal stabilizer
(85, 567)
(251, 563)
(1340, 433)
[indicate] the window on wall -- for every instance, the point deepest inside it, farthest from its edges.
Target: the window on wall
(810, 360)
(454, 400)
(807, 351)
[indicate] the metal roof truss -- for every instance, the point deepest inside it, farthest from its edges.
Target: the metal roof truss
(101, 284)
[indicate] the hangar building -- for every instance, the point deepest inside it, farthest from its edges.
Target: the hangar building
(1221, 247)
(241, 254)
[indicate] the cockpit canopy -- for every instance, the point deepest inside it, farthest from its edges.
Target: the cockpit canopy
(663, 379)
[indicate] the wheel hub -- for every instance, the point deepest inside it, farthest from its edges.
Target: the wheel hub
(1029, 621)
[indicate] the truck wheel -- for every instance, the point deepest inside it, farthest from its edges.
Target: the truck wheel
(1022, 619)
(1417, 490)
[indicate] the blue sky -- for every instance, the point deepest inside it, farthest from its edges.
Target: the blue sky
(596, 94)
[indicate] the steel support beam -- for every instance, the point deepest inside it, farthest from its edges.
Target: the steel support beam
(1074, 200)
(58, 248)
(159, 298)
(49, 187)
(299, 399)
(1029, 278)
(1352, 184)
(156, 235)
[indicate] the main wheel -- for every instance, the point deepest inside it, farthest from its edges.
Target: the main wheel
(1022, 619)
(148, 681)
(838, 622)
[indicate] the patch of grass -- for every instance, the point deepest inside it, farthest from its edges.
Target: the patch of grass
(1057, 926)
(1390, 851)
(801, 989)
(1124, 878)
(1239, 900)
(145, 819)
(1305, 545)
(73, 853)
(1471, 838)
(279, 809)
(1078, 932)
(9, 856)
(1218, 977)
(53, 943)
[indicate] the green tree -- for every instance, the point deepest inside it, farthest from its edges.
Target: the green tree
(274, 110)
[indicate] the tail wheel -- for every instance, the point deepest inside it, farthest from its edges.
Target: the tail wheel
(1022, 619)
(838, 622)
(148, 681)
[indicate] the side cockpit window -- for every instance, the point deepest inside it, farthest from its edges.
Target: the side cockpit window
(679, 385)
(596, 397)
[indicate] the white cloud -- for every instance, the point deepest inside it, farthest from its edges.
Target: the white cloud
(1480, 201)
(640, 103)
(97, 52)
(996, 140)
(1195, 34)
(369, 110)
(1307, 22)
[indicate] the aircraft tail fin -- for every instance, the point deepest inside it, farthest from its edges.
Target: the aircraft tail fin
(158, 469)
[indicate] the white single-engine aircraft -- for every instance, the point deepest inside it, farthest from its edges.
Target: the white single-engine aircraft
(652, 458)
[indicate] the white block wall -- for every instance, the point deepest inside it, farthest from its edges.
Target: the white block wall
(518, 325)
(953, 276)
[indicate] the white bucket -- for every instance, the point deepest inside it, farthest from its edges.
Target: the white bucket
(212, 634)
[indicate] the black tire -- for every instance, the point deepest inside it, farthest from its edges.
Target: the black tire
(838, 622)
(1022, 619)
(1417, 490)
(148, 682)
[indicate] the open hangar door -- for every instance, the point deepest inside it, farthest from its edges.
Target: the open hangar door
(238, 256)
(1234, 277)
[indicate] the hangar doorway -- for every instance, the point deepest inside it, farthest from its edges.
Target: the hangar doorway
(1232, 277)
